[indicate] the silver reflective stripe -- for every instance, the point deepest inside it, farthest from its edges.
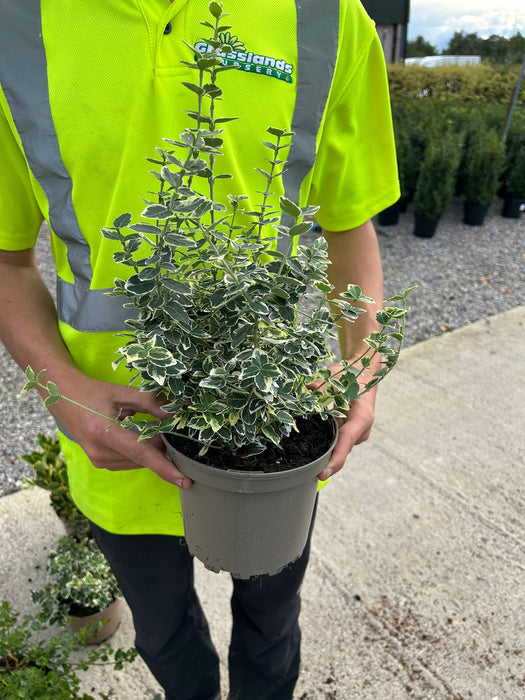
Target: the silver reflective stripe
(317, 46)
(91, 310)
(23, 75)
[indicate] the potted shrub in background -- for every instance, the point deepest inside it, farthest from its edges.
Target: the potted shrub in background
(514, 195)
(436, 181)
(36, 663)
(390, 216)
(51, 474)
(232, 326)
(484, 158)
(83, 590)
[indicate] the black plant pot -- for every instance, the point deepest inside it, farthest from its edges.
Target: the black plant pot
(511, 207)
(390, 215)
(474, 214)
(424, 226)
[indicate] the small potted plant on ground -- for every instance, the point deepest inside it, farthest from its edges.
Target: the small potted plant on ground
(51, 474)
(83, 590)
(484, 160)
(34, 663)
(232, 325)
(436, 182)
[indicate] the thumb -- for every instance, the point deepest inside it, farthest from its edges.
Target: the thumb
(131, 400)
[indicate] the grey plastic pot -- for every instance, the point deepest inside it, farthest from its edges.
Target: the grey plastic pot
(247, 523)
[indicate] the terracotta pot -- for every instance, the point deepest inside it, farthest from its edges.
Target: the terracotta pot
(112, 614)
(248, 522)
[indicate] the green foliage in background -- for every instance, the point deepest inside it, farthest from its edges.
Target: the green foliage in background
(39, 663)
(437, 177)
(51, 475)
(487, 166)
(483, 83)
(82, 582)
(484, 158)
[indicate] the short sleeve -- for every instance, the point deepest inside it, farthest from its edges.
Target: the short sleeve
(20, 214)
(355, 175)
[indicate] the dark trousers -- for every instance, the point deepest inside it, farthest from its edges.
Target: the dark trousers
(155, 573)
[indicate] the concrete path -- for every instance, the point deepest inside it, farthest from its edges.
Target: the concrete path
(416, 583)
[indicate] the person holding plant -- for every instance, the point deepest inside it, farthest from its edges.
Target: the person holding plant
(85, 99)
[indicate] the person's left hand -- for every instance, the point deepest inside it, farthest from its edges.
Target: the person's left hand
(356, 426)
(353, 430)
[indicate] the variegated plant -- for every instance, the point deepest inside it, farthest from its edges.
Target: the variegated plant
(232, 329)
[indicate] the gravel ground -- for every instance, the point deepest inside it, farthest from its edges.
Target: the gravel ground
(463, 274)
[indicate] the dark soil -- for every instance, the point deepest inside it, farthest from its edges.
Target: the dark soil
(80, 611)
(311, 442)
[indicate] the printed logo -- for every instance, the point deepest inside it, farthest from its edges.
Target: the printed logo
(235, 54)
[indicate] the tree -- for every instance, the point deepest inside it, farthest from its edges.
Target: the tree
(496, 48)
(420, 47)
(516, 48)
(463, 44)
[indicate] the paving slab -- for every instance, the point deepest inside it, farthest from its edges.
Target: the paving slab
(416, 583)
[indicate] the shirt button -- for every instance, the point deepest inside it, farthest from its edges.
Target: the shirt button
(167, 28)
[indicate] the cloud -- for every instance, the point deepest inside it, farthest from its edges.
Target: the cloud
(437, 21)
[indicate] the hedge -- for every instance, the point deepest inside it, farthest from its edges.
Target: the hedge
(482, 83)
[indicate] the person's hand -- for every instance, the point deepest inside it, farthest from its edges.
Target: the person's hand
(115, 449)
(353, 430)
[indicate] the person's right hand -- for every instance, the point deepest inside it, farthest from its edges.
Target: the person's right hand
(117, 448)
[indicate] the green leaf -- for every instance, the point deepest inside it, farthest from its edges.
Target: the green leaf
(137, 286)
(240, 335)
(174, 179)
(215, 9)
(156, 211)
(299, 229)
(271, 434)
(277, 132)
(194, 88)
(288, 207)
(150, 229)
(223, 120)
(53, 389)
(112, 235)
(176, 286)
(177, 312)
(50, 400)
(122, 221)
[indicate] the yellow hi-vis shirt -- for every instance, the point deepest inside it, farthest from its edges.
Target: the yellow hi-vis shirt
(88, 94)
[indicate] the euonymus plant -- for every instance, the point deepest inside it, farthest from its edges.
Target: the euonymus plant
(230, 327)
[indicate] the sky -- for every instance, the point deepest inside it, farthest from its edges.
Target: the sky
(437, 20)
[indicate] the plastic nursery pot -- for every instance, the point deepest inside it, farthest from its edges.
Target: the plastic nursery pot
(390, 215)
(474, 214)
(112, 614)
(425, 227)
(246, 522)
(512, 207)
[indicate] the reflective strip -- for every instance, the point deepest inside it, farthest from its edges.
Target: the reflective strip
(91, 310)
(317, 46)
(23, 74)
